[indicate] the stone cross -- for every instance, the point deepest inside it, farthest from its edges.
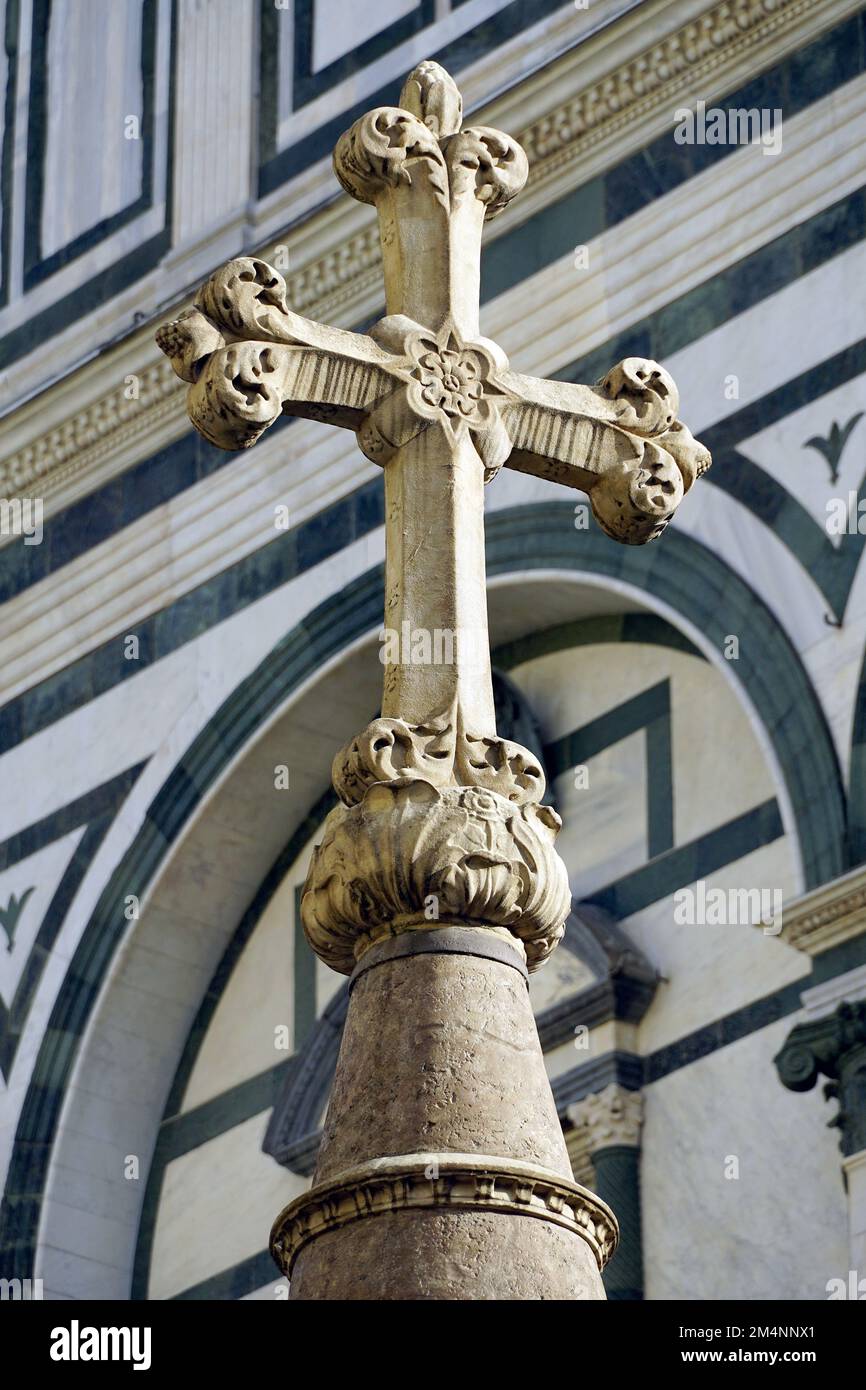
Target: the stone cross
(440, 825)
(432, 402)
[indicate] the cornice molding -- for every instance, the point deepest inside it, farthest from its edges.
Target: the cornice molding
(834, 913)
(627, 105)
(679, 63)
(455, 1182)
(55, 460)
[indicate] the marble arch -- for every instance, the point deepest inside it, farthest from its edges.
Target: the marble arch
(316, 684)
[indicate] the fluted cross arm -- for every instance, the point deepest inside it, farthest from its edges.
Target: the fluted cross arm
(620, 442)
(249, 359)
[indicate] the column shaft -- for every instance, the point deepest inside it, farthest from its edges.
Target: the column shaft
(443, 1172)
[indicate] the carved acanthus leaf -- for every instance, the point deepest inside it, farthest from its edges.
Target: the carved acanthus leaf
(188, 342)
(439, 751)
(476, 856)
(432, 95)
(383, 149)
(247, 299)
(487, 165)
(238, 394)
(609, 1117)
(645, 396)
(246, 354)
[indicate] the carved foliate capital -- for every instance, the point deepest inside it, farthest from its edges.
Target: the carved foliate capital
(413, 855)
(608, 1118)
(437, 825)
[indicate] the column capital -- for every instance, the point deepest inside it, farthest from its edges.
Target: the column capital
(833, 1046)
(607, 1118)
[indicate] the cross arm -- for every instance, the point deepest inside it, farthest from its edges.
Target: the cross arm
(248, 359)
(620, 442)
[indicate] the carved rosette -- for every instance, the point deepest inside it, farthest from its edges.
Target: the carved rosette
(442, 380)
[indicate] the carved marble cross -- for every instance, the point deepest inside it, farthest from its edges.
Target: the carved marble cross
(439, 408)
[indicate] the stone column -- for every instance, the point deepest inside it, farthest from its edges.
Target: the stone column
(442, 1137)
(833, 1044)
(443, 1172)
(604, 1143)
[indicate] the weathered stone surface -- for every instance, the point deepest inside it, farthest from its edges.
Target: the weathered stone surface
(441, 1052)
(440, 1056)
(471, 855)
(447, 1255)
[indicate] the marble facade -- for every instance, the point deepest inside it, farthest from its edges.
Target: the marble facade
(250, 636)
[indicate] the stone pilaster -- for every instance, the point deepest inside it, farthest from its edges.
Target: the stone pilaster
(604, 1142)
(834, 1045)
